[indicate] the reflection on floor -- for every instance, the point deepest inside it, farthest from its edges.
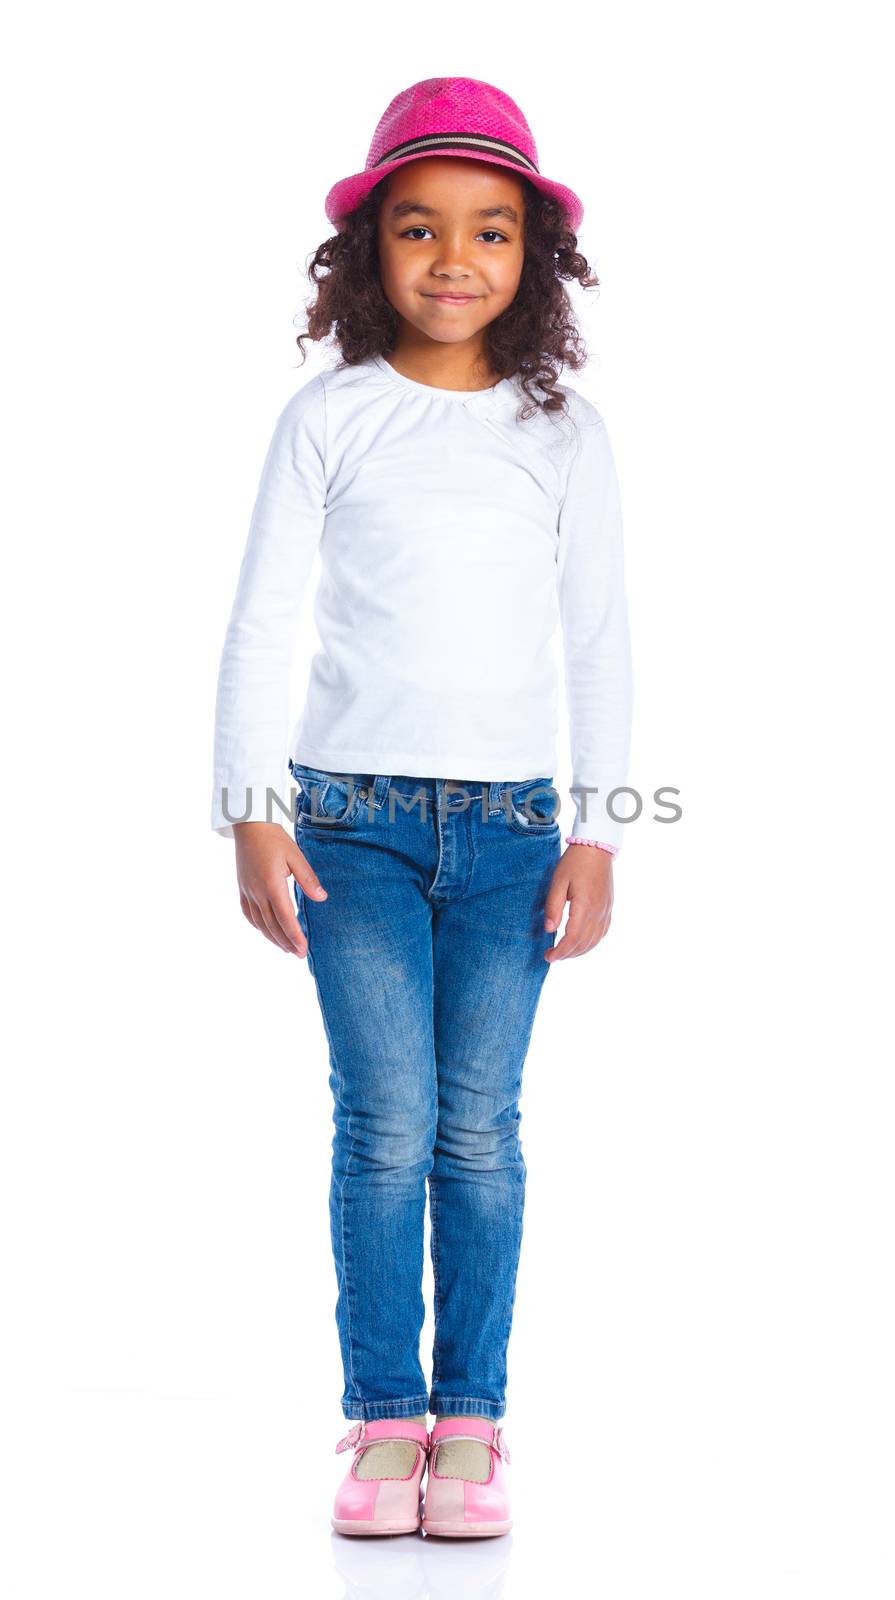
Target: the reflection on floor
(415, 1567)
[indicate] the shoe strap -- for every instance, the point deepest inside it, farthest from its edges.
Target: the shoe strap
(474, 1428)
(364, 1433)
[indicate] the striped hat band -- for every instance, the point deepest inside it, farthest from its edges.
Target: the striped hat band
(458, 141)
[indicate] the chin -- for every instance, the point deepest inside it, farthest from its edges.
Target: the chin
(451, 335)
(442, 335)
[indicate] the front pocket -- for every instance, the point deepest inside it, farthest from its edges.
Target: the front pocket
(534, 807)
(326, 799)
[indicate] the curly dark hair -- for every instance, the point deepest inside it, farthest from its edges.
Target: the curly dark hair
(534, 338)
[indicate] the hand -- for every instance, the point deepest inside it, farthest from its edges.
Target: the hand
(585, 878)
(265, 859)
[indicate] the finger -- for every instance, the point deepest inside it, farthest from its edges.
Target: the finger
(272, 925)
(596, 937)
(555, 903)
(252, 913)
(577, 934)
(262, 927)
(284, 911)
(554, 907)
(259, 921)
(304, 873)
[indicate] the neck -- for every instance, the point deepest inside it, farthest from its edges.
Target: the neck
(444, 366)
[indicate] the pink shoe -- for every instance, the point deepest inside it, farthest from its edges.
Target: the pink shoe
(380, 1505)
(457, 1506)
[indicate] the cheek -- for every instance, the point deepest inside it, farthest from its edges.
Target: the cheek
(389, 263)
(391, 287)
(504, 290)
(394, 283)
(506, 277)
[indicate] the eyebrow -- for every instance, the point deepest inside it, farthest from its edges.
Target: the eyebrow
(403, 208)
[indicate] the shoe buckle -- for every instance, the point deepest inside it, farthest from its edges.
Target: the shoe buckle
(499, 1444)
(353, 1436)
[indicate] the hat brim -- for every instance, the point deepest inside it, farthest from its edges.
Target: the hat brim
(348, 193)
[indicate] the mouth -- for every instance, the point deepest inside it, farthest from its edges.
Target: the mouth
(452, 299)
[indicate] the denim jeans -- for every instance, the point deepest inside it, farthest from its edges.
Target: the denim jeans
(428, 959)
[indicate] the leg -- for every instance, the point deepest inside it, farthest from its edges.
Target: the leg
(370, 951)
(489, 970)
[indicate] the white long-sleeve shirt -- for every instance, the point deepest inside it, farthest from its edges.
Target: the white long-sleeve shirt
(453, 539)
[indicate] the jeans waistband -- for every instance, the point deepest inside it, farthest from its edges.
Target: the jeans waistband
(458, 793)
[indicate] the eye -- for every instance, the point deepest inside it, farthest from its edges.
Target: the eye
(420, 228)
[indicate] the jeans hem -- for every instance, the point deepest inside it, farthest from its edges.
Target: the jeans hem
(375, 1410)
(463, 1406)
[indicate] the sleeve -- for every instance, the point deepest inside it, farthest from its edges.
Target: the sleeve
(596, 640)
(252, 706)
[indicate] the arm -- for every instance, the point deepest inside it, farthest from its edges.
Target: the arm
(596, 647)
(596, 642)
(252, 707)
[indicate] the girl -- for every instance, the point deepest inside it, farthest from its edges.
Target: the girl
(462, 501)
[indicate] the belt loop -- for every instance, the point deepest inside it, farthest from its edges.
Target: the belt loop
(494, 798)
(380, 789)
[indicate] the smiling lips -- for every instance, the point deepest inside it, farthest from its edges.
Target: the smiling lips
(453, 299)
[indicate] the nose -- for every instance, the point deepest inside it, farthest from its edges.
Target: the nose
(451, 259)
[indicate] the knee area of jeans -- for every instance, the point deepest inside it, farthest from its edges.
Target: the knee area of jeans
(396, 1155)
(485, 1150)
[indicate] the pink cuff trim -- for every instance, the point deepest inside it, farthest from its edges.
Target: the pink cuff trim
(611, 848)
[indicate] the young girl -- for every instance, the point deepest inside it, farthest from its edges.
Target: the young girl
(462, 501)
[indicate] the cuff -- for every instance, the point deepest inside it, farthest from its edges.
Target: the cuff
(249, 802)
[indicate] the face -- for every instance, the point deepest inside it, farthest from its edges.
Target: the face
(451, 227)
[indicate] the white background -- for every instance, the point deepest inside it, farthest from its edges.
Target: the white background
(701, 1374)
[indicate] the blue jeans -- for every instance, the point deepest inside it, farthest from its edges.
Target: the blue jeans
(428, 958)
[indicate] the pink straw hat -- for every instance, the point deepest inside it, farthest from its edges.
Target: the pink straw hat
(450, 117)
